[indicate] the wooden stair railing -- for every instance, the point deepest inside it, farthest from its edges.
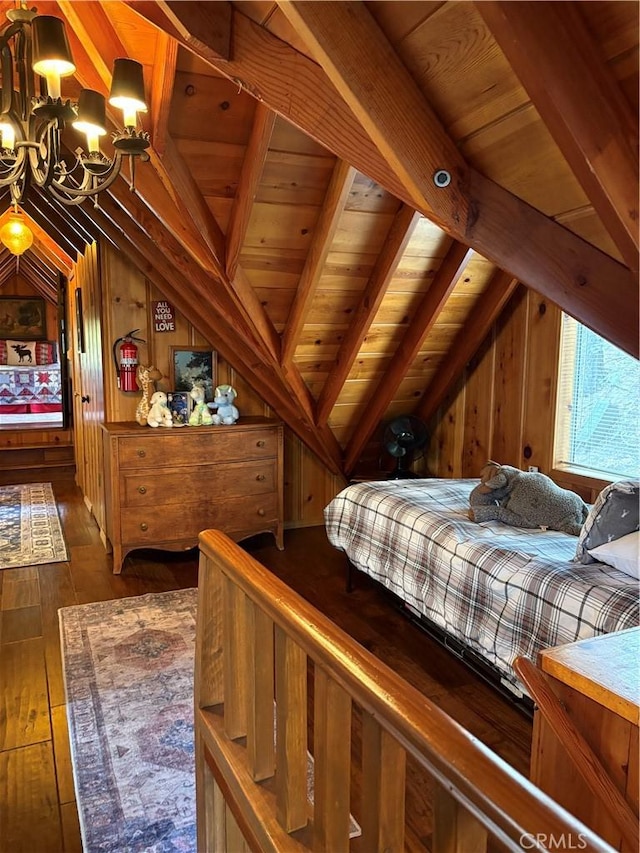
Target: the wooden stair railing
(580, 753)
(255, 639)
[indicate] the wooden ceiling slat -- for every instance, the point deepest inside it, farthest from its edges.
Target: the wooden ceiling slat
(51, 221)
(254, 158)
(324, 231)
(574, 90)
(466, 343)
(425, 316)
(371, 78)
(399, 235)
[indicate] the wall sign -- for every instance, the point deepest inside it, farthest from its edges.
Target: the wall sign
(164, 318)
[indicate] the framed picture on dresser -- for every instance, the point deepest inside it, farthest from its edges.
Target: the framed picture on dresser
(188, 365)
(179, 403)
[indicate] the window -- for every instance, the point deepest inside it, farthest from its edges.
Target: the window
(598, 405)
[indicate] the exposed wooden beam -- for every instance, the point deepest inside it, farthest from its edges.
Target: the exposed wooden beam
(381, 92)
(182, 208)
(184, 284)
(535, 249)
(248, 297)
(425, 316)
(467, 342)
(164, 73)
(252, 166)
(202, 28)
(392, 251)
(559, 63)
(323, 233)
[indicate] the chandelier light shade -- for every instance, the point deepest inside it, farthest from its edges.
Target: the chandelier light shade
(34, 48)
(16, 235)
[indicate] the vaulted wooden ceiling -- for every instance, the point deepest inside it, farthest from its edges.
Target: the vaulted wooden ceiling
(290, 209)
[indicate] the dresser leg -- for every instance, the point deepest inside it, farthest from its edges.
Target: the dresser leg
(118, 557)
(278, 534)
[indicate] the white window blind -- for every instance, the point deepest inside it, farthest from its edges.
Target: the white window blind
(598, 404)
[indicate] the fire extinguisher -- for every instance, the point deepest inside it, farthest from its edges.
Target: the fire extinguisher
(126, 369)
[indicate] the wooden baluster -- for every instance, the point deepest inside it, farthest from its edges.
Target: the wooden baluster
(291, 733)
(332, 764)
(260, 729)
(455, 829)
(236, 657)
(208, 680)
(383, 788)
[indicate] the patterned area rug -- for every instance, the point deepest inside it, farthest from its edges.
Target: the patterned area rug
(128, 668)
(30, 531)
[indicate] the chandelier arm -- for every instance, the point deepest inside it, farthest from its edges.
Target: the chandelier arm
(43, 168)
(52, 189)
(98, 183)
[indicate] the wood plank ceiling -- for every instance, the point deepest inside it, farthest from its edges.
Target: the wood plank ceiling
(290, 209)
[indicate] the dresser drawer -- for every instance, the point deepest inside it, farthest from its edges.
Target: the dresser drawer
(190, 485)
(159, 524)
(196, 445)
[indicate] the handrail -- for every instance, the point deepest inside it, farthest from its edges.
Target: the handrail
(584, 758)
(481, 784)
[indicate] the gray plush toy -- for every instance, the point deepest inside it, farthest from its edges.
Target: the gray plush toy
(526, 499)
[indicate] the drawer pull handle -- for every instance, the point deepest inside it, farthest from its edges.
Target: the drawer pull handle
(261, 512)
(144, 526)
(142, 490)
(260, 478)
(142, 453)
(260, 443)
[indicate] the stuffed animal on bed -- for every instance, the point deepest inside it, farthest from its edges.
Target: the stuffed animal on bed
(526, 499)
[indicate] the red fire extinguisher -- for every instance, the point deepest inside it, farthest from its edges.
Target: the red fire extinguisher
(126, 369)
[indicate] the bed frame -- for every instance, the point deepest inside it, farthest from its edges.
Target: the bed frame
(256, 640)
(476, 663)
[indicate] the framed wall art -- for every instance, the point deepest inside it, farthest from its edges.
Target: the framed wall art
(188, 365)
(23, 318)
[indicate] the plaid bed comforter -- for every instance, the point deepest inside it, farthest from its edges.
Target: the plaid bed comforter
(503, 591)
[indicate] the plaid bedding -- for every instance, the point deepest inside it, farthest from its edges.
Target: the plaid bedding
(503, 591)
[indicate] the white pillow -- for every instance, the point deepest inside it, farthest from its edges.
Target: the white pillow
(622, 554)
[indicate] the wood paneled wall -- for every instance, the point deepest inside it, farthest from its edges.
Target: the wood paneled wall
(503, 408)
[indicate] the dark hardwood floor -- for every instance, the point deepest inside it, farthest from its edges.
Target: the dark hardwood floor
(37, 805)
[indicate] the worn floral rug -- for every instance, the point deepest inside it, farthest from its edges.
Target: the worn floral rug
(30, 531)
(128, 670)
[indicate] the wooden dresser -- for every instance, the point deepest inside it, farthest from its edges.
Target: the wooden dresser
(163, 486)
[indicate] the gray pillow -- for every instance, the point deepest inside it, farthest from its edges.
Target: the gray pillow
(614, 514)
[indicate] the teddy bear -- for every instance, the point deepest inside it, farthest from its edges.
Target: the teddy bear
(200, 416)
(526, 499)
(159, 413)
(223, 401)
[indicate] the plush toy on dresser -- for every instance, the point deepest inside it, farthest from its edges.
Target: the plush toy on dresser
(200, 416)
(146, 376)
(159, 413)
(526, 499)
(223, 401)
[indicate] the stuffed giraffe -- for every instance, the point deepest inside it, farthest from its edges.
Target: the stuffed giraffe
(146, 376)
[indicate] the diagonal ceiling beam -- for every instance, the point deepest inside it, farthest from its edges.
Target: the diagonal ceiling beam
(425, 316)
(467, 342)
(203, 28)
(535, 249)
(559, 64)
(323, 233)
(252, 167)
(396, 242)
(164, 74)
(373, 81)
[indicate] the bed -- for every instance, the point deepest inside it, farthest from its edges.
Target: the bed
(30, 378)
(493, 591)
